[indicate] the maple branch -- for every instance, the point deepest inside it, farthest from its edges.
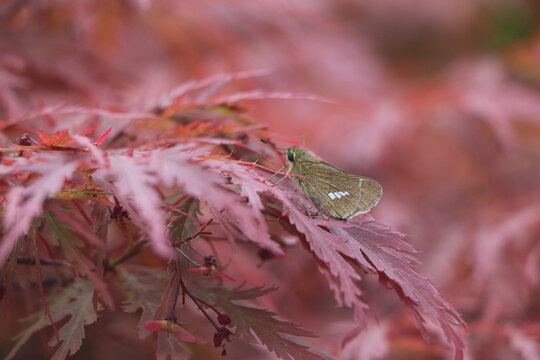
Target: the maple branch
(39, 277)
(200, 232)
(176, 291)
(195, 300)
(131, 251)
(43, 148)
(37, 261)
(188, 258)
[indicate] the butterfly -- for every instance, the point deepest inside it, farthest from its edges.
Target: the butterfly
(335, 192)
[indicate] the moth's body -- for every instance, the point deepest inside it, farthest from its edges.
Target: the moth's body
(336, 193)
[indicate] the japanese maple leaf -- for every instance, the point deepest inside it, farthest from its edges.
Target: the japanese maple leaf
(74, 301)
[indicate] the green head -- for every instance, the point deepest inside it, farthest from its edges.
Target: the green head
(294, 153)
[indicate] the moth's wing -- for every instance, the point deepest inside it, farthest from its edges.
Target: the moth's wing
(370, 194)
(337, 193)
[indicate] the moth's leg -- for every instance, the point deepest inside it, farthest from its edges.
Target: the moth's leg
(284, 176)
(317, 213)
(309, 213)
(274, 174)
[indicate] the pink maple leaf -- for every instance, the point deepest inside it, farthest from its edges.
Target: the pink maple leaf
(24, 203)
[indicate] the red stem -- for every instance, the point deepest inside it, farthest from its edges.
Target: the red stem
(81, 210)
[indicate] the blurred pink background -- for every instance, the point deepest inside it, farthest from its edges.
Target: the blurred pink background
(438, 101)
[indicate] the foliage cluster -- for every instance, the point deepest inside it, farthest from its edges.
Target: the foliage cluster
(116, 194)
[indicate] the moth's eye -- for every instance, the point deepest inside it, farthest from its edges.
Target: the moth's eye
(290, 156)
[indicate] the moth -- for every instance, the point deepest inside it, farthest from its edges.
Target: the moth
(335, 192)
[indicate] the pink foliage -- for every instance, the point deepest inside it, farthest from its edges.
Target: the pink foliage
(24, 203)
(130, 142)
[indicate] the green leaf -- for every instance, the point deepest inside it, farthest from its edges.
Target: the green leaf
(256, 325)
(145, 287)
(74, 301)
(61, 234)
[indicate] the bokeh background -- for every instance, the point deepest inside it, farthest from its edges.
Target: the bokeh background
(438, 100)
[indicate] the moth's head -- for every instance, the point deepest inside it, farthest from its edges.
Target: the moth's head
(291, 153)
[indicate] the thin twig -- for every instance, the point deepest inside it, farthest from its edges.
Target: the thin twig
(184, 290)
(39, 277)
(51, 262)
(200, 232)
(188, 258)
(177, 278)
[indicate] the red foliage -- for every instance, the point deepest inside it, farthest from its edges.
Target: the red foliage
(140, 176)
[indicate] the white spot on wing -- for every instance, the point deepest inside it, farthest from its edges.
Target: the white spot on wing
(338, 194)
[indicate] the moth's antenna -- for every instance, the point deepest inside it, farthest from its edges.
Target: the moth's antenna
(303, 141)
(269, 143)
(283, 167)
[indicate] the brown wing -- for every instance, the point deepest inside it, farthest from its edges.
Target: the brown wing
(337, 193)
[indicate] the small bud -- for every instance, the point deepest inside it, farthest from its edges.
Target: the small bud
(210, 262)
(224, 319)
(25, 140)
(119, 212)
(221, 334)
